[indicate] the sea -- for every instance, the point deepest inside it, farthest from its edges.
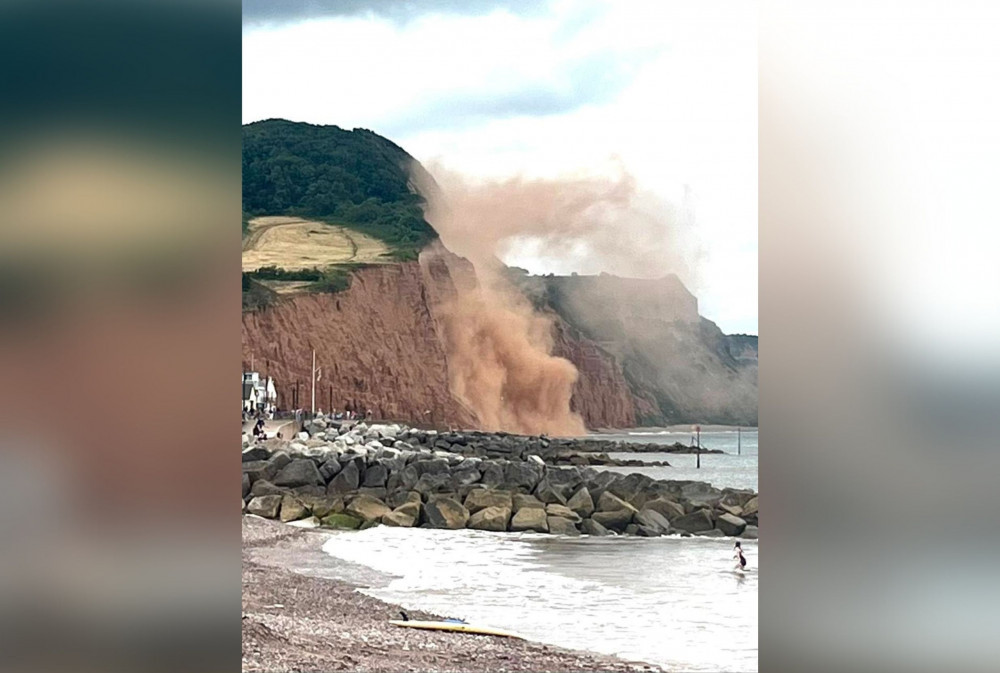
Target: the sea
(673, 602)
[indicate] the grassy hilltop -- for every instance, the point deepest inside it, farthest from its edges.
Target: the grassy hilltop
(319, 201)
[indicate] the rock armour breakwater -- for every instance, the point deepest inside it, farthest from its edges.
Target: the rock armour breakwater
(338, 476)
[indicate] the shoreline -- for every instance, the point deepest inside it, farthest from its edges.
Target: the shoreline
(295, 620)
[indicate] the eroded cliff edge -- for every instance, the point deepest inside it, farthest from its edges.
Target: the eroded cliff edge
(647, 358)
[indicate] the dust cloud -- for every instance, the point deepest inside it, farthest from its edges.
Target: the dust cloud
(500, 347)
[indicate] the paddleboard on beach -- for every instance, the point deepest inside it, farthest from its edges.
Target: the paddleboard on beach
(456, 626)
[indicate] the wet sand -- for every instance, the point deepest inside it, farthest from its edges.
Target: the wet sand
(301, 620)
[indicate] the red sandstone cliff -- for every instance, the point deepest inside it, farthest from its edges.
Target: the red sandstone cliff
(379, 347)
(376, 344)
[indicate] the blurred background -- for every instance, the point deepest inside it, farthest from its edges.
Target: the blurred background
(880, 362)
(119, 333)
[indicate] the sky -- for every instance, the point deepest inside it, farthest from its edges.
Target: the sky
(665, 91)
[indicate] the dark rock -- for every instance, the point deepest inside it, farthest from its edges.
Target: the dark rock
(616, 519)
(397, 498)
(591, 527)
(341, 520)
(375, 475)
(730, 525)
(259, 469)
(581, 503)
(608, 502)
(666, 507)
(246, 484)
(492, 474)
(265, 505)
(630, 487)
(562, 511)
(466, 475)
(490, 518)
(482, 498)
(520, 500)
(292, 509)
(298, 472)
(373, 491)
(562, 526)
(600, 482)
(521, 477)
(650, 518)
(547, 493)
(256, 453)
(322, 506)
(347, 480)
(715, 532)
(405, 516)
(530, 518)
(309, 490)
(632, 529)
(749, 533)
(646, 531)
(445, 513)
(329, 469)
(264, 487)
(431, 466)
(367, 508)
(434, 483)
(695, 522)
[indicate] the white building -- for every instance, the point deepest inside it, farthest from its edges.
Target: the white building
(258, 394)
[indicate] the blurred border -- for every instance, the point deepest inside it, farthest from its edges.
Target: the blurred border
(879, 380)
(119, 327)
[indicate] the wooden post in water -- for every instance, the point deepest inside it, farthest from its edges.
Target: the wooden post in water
(697, 430)
(739, 441)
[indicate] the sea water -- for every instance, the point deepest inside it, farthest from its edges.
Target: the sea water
(674, 602)
(735, 468)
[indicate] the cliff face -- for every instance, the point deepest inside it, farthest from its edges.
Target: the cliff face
(376, 343)
(643, 354)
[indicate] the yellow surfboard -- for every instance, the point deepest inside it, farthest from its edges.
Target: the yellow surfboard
(457, 627)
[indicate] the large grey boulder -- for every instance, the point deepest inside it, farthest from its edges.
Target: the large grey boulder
(375, 475)
(530, 519)
(246, 484)
(347, 480)
(445, 513)
(581, 503)
(631, 488)
(490, 518)
(561, 526)
(600, 482)
(591, 527)
(521, 500)
(730, 525)
(299, 472)
(749, 533)
(492, 474)
(666, 507)
(259, 469)
(616, 520)
(397, 498)
(548, 493)
(562, 511)
(482, 498)
(695, 522)
(651, 519)
(256, 453)
(406, 515)
(367, 508)
(320, 506)
(264, 487)
(750, 507)
(292, 509)
(521, 477)
(434, 483)
(466, 475)
(609, 502)
(265, 505)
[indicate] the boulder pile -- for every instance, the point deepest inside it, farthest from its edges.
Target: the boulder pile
(354, 477)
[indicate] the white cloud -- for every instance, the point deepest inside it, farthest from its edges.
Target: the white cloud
(668, 89)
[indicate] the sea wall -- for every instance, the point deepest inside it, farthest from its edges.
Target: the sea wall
(355, 477)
